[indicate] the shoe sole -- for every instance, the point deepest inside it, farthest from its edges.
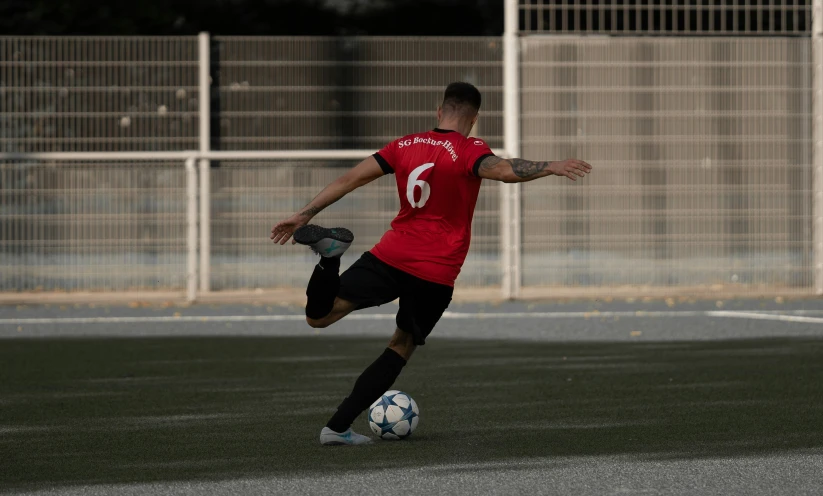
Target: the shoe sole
(311, 234)
(340, 443)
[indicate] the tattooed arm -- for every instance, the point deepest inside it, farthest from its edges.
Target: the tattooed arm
(362, 174)
(517, 170)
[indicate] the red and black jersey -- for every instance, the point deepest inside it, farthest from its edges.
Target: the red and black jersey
(438, 185)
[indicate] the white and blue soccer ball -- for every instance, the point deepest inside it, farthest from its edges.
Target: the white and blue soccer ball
(394, 415)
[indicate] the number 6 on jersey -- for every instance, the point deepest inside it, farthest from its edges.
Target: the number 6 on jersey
(425, 189)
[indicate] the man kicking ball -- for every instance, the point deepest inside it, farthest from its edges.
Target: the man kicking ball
(438, 179)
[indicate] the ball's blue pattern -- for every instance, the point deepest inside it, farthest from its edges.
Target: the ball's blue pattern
(386, 426)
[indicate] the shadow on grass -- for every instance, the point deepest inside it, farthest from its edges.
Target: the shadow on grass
(88, 411)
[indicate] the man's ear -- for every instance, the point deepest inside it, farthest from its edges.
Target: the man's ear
(439, 113)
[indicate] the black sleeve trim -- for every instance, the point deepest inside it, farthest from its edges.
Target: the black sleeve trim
(387, 169)
(476, 167)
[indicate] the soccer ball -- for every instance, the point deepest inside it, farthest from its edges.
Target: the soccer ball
(394, 415)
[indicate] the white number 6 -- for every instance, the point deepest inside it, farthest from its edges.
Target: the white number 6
(425, 189)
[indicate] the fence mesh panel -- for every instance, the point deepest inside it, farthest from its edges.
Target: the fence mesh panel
(338, 93)
(111, 226)
(98, 94)
(702, 162)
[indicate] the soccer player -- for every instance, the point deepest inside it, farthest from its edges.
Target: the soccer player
(438, 176)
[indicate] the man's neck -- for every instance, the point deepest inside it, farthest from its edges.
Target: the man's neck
(462, 126)
(453, 126)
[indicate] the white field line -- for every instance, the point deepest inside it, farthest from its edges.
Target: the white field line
(173, 319)
(766, 316)
(446, 315)
(572, 315)
(795, 312)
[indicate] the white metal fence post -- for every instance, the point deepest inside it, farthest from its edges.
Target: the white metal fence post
(510, 193)
(205, 225)
(205, 166)
(191, 230)
(817, 142)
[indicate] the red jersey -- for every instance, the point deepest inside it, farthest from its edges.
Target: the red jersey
(438, 185)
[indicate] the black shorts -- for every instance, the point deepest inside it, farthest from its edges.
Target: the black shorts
(370, 282)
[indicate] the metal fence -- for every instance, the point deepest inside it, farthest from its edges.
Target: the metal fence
(703, 152)
(266, 94)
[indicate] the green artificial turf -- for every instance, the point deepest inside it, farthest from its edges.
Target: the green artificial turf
(121, 410)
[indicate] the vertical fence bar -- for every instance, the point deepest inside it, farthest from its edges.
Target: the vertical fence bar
(191, 234)
(510, 193)
(205, 226)
(817, 141)
(205, 169)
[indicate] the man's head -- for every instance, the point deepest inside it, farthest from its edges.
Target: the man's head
(461, 103)
(461, 98)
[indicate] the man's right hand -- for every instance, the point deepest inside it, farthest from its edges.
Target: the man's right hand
(283, 230)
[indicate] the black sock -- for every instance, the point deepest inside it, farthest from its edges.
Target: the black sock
(373, 382)
(323, 287)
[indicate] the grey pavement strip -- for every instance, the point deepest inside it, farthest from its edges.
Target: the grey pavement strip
(795, 474)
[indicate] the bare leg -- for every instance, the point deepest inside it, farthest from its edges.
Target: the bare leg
(340, 309)
(402, 343)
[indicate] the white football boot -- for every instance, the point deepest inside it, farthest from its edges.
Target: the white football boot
(348, 438)
(323, 241)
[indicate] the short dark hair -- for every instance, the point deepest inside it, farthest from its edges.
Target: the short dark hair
(461, 97)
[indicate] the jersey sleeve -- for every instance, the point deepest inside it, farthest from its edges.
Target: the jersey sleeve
(474, 152)
(387, 157)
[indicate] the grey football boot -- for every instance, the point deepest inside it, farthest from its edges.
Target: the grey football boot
(324, 241)
(348, 438)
